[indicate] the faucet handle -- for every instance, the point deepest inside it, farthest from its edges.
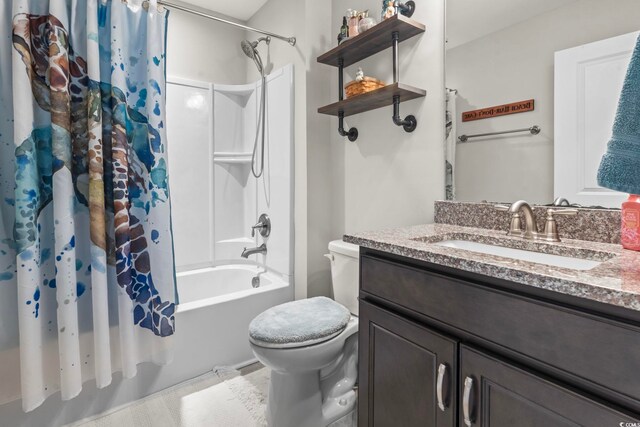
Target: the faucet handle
(550, 233)
(552, 212)
(264, 225)
(515, 227)
(260, 225)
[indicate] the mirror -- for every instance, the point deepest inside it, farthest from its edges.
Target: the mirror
(511, 65)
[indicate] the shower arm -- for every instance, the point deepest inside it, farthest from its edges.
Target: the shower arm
(290, 40)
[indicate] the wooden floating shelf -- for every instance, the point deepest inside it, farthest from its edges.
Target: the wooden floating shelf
(388, 33)
(372, 41)
(372, 100)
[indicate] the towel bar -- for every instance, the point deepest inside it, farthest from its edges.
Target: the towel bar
(534, 130)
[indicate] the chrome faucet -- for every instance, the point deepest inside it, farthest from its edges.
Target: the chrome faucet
(262, 249)
(522, 208)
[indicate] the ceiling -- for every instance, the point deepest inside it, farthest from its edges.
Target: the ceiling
(468, 20)
(239, 9)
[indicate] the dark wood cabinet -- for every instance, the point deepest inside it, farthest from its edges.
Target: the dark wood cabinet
(410, 372)
(510, 358)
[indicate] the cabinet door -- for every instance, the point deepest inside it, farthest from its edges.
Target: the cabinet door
(494, 393)
(407, 373)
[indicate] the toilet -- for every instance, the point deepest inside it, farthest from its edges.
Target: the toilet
(311, 347)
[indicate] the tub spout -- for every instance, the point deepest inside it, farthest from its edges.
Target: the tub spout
(262, 249)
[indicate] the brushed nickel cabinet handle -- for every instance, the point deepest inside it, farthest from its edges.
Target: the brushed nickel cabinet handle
(442, 370)
(466, 401)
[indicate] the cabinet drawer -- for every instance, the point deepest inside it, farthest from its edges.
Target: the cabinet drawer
(602, 355)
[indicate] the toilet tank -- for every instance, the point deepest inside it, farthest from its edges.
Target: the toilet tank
(345, 260)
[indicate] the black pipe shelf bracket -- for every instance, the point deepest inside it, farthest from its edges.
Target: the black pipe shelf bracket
(352, 133)
(410, 122)
(388, 33)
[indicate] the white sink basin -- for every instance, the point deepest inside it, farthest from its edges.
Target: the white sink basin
(519, 254)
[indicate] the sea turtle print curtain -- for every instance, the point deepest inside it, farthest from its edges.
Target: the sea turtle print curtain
(451, 139)
(86, 246)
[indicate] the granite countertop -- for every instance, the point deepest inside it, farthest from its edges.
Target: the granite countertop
(615, 281)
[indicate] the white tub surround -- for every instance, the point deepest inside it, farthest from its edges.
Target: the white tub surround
(216, 198)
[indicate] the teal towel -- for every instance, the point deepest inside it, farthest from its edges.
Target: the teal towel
(620, 166)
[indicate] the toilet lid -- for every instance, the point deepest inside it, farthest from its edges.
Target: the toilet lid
(299, 323)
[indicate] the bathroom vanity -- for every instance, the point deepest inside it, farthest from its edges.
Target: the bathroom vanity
(454, 337)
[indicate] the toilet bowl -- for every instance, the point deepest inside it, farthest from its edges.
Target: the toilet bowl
(311, 347)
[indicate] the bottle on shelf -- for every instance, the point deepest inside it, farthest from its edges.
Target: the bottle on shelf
(366, 22)
(344, 30)
(353, 22)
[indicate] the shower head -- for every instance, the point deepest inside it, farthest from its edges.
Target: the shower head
(250, 49)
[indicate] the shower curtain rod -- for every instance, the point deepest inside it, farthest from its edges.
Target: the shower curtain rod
(290, 40)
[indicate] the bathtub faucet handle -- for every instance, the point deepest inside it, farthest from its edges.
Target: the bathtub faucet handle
(263, 225)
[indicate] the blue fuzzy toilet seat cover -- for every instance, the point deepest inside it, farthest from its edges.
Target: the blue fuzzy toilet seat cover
(299, 323)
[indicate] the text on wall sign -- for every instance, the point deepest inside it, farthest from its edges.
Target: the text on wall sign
(498, 110)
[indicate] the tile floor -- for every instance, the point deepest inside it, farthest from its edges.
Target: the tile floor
(221, 398)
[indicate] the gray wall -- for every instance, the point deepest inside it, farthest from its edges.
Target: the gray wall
(387, 177)
(204, 50)
(390, 178)
(516, 64)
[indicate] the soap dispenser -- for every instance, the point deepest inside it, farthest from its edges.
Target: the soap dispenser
(630, 237)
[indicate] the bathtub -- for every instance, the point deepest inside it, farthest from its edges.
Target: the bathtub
(213, 315)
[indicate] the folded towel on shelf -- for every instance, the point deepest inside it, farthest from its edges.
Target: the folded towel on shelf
(620, 166)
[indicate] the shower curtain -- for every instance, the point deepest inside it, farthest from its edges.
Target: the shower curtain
(450, 141)
(85, 232)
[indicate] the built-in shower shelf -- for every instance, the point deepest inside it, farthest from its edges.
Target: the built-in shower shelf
(232, 158)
